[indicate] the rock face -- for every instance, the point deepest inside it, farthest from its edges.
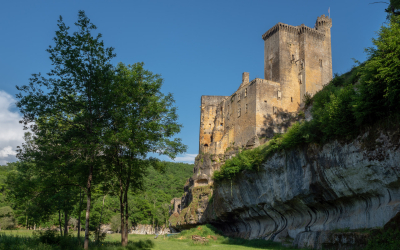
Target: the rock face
(140, 229)
(149, 229)
(303, 196)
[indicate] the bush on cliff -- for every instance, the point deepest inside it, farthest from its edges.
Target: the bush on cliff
(368, 93)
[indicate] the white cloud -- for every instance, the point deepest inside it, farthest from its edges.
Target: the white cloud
(7, 151)
(11, 131)
(189, 158)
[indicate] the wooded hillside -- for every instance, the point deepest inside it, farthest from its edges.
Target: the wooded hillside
(148, 207)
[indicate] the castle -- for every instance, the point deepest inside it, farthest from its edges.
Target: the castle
(297, 60)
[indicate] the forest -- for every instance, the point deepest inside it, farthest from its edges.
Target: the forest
(150, 206)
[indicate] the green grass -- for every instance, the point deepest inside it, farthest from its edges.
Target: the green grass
(24, 240)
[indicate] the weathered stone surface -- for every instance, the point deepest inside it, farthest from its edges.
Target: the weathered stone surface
(307, 191)
(140, 229)
(303, 196)
(149, 229)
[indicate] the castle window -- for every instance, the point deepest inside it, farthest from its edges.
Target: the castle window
(320, 62)
(246, 107)
(221, 124)
(279, 95)
(291, 98)
(238, 97)
(239, 111)
(245, 92)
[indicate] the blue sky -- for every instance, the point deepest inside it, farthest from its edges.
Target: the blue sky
(199, 47)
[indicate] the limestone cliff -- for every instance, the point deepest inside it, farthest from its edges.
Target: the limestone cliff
(303, 195)
(140, 229)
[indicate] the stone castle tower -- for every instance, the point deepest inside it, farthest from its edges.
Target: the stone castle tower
(297, 60)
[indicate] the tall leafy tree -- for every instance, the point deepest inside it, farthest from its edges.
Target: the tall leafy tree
(143, 120)
(379, 89)
(67, 110)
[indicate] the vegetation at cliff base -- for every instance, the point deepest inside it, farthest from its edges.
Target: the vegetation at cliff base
(367, 94)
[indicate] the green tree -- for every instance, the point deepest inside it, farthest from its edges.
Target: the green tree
(379, 89)
(6, 217)
(69, 108)
(393, 8)
(143, 120)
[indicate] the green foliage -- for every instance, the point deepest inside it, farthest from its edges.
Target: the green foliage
(6, 217)
(393, 8)
(384, 240)
(115, 223)
(379, 91)
(203, 231)
(307, 99)
(365, 95)
(163, 185)
(247, 159)
(50, 240)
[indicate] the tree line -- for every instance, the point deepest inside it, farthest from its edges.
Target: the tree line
(150, 206)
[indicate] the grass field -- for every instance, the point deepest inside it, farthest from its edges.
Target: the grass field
(24, 240)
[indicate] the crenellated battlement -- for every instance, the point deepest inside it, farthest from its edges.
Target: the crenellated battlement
(322, 21)
(280, 26)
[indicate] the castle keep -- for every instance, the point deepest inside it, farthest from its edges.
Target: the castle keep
(297, 60)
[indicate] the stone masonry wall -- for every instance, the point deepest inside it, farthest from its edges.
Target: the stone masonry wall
(297, 60)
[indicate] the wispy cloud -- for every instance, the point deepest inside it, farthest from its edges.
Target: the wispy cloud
(11, 132)
(189, 158)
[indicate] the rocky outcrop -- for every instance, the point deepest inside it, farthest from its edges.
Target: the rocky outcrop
(303, 196)
(140, 229)
(149, 229)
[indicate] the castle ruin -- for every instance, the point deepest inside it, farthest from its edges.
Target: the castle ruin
(297, 60)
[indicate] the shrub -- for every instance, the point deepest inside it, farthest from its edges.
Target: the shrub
(384, 240)
(307, 99)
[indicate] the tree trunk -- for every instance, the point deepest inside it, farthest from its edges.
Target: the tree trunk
(89, 198)
(101, 215)
(126, 217)
(79, 217)
(59, 221)
(66, 223)
(154, 201)
(126, 205)
(121, 202)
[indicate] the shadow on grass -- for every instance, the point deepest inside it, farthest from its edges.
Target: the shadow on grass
(262, 244)
(132, 245)
(56, 242)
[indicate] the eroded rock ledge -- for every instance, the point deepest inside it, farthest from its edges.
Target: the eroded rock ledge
(303, 195)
